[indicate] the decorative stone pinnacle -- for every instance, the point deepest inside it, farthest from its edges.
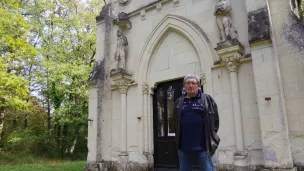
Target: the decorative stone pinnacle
(233, 62)
(145, 88)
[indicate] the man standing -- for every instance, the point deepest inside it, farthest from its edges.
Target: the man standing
(197, 123)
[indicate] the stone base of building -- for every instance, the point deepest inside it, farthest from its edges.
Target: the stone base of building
(115, 166)
(250, 168)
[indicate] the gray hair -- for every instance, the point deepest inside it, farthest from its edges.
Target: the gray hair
(192, 76)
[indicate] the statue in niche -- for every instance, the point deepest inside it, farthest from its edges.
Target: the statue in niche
(121, 51)
(228, 34)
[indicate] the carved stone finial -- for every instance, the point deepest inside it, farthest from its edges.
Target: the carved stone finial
(228, 34)
(121, 51)
(145, 88)
(233, 62)
(123, 21)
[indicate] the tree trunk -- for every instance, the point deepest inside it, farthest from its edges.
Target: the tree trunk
(1, 123)
(49, 116)
(25, 121)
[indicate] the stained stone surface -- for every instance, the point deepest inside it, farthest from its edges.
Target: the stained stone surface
(258, 25)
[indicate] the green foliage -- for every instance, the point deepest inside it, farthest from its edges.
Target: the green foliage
(14, 47)
(48, 48)
(26, 142)
(13, 91)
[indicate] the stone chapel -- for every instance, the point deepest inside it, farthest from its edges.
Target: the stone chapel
(249, 55)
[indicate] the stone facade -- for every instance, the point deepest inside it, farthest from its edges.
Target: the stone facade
(257, 82)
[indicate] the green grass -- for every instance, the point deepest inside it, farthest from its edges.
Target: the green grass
(7, 158)
(18, 162)
(67, 166)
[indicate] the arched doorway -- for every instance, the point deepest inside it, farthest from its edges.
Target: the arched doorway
(158, 66)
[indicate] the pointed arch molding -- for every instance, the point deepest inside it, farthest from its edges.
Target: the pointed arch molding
(190, 31)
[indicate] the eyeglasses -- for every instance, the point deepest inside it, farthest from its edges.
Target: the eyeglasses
(191, 83)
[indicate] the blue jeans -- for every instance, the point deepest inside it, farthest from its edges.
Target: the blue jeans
(186, 160)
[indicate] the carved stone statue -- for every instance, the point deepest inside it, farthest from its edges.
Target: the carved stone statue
(121, 51)
(224, 22)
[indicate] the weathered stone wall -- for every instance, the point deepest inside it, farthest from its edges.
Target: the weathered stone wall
(250, 114)
(253, 5)
(290, 50)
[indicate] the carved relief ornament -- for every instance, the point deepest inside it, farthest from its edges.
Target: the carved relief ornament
(123, 86)
(233, 62)
(203, 77)
(123, 21)
(145, 88)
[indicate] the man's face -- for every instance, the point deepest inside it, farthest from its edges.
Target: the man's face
(191, 86)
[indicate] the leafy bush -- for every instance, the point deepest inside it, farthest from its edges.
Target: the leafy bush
(26, 142)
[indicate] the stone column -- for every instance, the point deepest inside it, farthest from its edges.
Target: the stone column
(233, 66)
(123, 89)
(231, 57)
(122, 81)
(146, 118)
(150, 114)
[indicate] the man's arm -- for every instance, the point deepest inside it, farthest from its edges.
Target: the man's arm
(216, 115)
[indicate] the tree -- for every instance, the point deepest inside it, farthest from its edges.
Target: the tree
(65, 33)
(13, 93)
(52, 57)
(15, 51)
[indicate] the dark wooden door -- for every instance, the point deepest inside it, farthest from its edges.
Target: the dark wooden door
(165, 150)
